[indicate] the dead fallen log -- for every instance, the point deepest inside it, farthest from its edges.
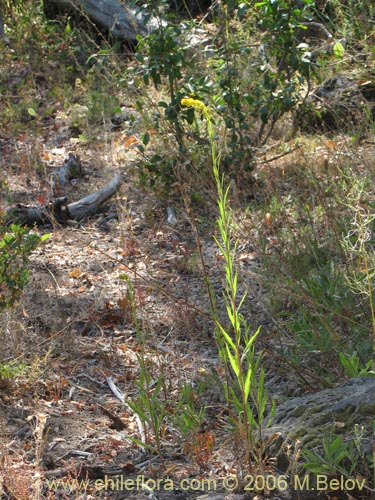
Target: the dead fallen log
(122, 21)
(92, 203)
(60, 211)
(2, 32)
(70, 169)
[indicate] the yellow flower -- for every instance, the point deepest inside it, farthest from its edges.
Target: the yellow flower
(189, 102)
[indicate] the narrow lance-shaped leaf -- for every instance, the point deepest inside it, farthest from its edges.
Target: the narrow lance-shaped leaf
(230, 313)
(241, 301)
(226, 336)
(249, 344)
(233, 362)
(248, 382)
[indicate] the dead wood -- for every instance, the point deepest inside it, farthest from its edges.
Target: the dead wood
(92, 203)
(119, 395)
(60, 211)
(2, 33)
(90, 471)
(117, 423)
(120, 20)
(71, 169)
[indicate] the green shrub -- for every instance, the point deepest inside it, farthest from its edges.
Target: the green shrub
(250, 90)
(16, 245)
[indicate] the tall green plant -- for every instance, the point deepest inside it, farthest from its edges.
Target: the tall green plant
(247, 397)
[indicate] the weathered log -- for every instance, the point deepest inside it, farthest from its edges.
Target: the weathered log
(70, 169)
(121, 20)
(305, 422)
(92, 203)
(2, 32)
(27, 216)
(60, 211)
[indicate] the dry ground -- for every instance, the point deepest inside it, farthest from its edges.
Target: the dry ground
(75, 328)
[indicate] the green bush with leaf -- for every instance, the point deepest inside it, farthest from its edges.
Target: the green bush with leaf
(252, 73)
(16, 245)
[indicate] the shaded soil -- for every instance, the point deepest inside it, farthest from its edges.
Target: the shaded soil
(76, 330)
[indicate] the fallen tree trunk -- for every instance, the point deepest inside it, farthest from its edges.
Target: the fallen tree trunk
(60, 211)
(2, 33)
(121, 20)
(91, 204)
(71, 169)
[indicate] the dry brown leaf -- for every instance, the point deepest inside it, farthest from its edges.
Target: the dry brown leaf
(76, 273)
(268, 219)
(115, 441)
(130, 140)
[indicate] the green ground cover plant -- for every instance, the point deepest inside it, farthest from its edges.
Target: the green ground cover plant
(16, 245)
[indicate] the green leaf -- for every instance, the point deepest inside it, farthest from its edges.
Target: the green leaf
(32, 112)
(247, 382)
(230, 313)
(140, 443)
(241, 301)
(146, 138)
(227, 338)
(338, 50)
(136, 407)
(233, 362)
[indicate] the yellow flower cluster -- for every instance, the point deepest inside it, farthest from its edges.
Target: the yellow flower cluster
(189, 102)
